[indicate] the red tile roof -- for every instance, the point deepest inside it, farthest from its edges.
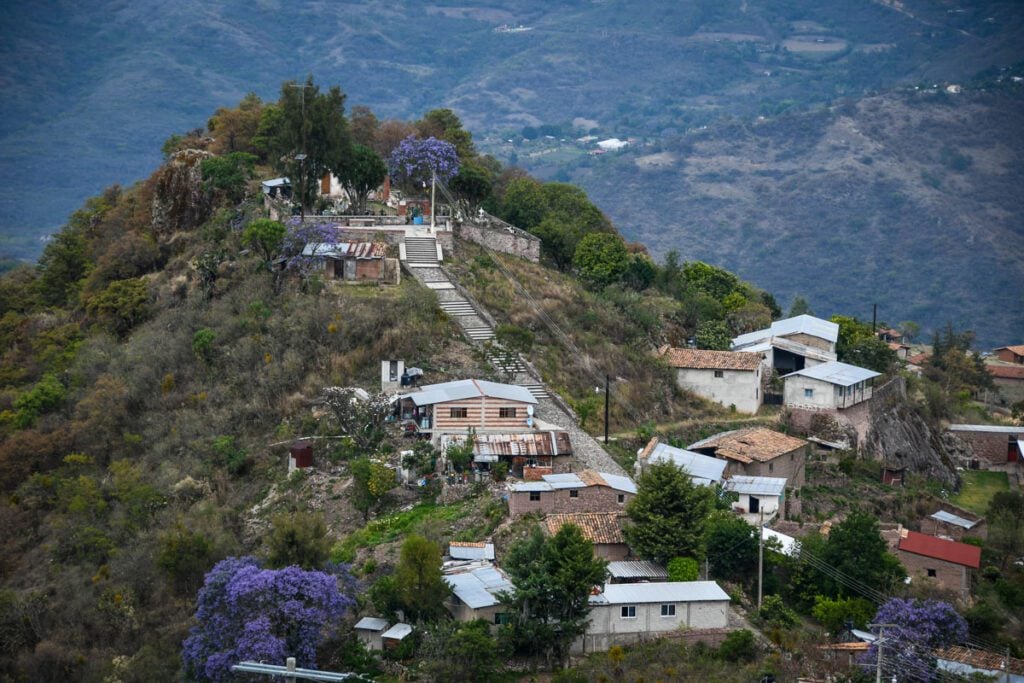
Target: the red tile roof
(1018, 349)
(1006, 371)
(940, 549)
(597, 527)
(701, 359)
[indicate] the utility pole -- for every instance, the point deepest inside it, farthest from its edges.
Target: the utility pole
(301, 156)
(874, 318)
(606, 383)
(878, 651)
(433, 209)
(760, 559)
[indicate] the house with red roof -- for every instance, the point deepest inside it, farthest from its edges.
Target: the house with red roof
(947, 563)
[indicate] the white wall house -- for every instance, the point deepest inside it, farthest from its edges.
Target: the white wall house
(625, 613)
(792, 344)
(725, 377)
(829, 386)
(760, 498)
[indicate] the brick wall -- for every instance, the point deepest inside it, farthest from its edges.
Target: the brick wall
(986, 446)
(589, 499)
(791, 465)
(947, 575)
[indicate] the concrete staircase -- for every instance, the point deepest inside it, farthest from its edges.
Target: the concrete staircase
(420, 252)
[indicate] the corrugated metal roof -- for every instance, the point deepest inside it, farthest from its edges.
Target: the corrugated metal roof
(470, 551)
(801, 324)
(834, 372)
(276, 182)
(789, 544)
(758, 486)
(372, 624)
(397, 632)
(950, 518)
(613, 481)
(523, 444)
(444, 392)
(663, 592)
(519, 486)
(703, 469)
(564, 481)
(991, 429)
(636, 569)
(357, 250)
(479, 587)
(571, 480)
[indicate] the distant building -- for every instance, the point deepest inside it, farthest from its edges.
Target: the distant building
(602, 529)
(394, 636)
(992, 444)
(702, 469)
(353, 261)
(792, 344)
(476, 592)
(464, 405)
(730, 378)
(586, 491)
(528, 454)
(948, 563)
(760, 498)
(954, 523)
(626, 613)
(1011, 354)
(758, 452)
(828, 386)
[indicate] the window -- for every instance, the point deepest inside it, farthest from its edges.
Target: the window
(808, 393)
(506, 412)
(771, 466)
(458, 412)
(668, 610)
(719, 373)
(574, 493)
(622, 498)
(931, 573)
(629, 611)
(534, 495)
(501, 618)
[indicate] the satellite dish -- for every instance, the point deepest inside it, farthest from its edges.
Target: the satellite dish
(529, 410)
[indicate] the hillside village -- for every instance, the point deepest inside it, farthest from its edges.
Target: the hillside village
(510, 440)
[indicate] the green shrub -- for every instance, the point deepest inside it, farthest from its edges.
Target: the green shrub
(738, 646)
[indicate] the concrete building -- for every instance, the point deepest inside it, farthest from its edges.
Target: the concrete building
(760, 498)
(792, 344)
(702, 469)
(828, 386)
(475, 592)
(758, 452)
(586, 491)
(948, 563)
(730, 378)
(603, 529)
(626, 613)
(466, 405)
(354, 261)
(992, 444)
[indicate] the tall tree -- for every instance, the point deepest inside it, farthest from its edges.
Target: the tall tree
(601, 259)
(731, 547)
(363, 174)
(421, 587)
(553, 578)
(668, 515)
(856, 548)
(371, 482)
(858, 345)
(234, 129)
(298, 539)
(1006, 525)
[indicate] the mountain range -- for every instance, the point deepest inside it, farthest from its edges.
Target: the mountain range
(747, 99)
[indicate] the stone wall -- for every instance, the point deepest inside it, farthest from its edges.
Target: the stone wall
(504, 239)
(950, 576)
(589, 499)
(987, 446)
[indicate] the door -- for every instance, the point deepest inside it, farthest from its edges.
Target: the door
(350, 269)
(755, 505)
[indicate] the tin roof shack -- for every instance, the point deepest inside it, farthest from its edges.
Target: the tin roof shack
(364, 262)
(393, 637)
(603, 529)
(731, 378)
(636, 571)
(467, 404)
(828, 386)
(758, 452)
(948, 563)
(954, 523)
(476, 591)
(702, 469)
(964, 662)
(792, 344)
(626, 613)
(369, 631)
(992, 444)
(548, 449)
(587, 491)
(467, 550)
(760, 498)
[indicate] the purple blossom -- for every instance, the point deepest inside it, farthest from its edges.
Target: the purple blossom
(248, 613)
(415, 158)
(299, 235)
(918, 628)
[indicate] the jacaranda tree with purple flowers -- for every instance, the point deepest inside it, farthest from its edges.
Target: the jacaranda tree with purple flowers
(415, 159)
(915, 629)
(247, 613)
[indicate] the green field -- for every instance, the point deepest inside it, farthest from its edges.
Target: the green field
(978, 489)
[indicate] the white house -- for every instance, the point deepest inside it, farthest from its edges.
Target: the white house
(703, 469)
(731, 378)
(760, 498)
(829, 386)
(476, 592)
(792, 344)
(625, 613)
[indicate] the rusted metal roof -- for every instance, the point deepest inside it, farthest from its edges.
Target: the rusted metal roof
(526, 444)
(357, 250)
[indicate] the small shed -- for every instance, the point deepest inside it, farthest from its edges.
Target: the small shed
(892, 475)
(635, 571)
(466, 550)
(369, 631)
(759, 497)
(300, 456)
(394, 636)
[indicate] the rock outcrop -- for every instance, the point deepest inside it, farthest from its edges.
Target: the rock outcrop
(180, 202)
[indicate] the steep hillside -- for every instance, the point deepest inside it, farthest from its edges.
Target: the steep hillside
(90, 90)
(908, 200)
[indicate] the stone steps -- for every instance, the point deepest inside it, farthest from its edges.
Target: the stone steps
(536, 389)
